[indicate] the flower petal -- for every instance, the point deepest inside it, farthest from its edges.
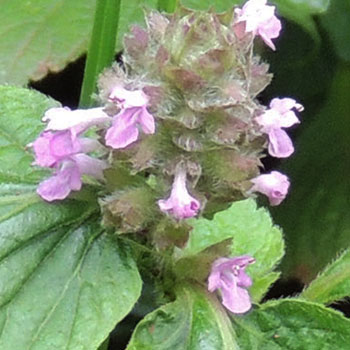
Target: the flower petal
(146, 121)
(90, 166)
(43, 155)
(274, 185)
(260, 20)
(78, 120)
(280, 146)
(180, 203)
(63, 144)
(236, 299)
(61, 184)
(128, 98)
(124, 131)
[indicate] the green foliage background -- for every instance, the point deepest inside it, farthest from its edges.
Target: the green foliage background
(311, 64)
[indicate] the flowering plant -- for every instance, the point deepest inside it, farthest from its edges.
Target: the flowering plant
(147, 204)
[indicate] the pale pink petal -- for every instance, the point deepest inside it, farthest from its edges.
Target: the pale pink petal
(180, 204)
(237, 299)
(270, 30)
(280, 145)
(228, 275)
(89, 145)
(243, 279)
(117, 137)
(270, 119)
(284, 107)
(77, 120)
(146, 121)
(259, 19)
(127, 98)
(43, 155)
(58, 186)
(90, 166)
(274, 185)
(123, 132)
(63, 144)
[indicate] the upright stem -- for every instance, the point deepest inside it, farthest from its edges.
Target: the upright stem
(167, 5)
(102, 47)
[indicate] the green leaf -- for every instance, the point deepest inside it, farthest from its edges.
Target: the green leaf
(332, 284)
(253, 234)
(41, 36)
(299, 6)
(337, 23)
(64, 284)
(311, 7)
(218, 5)
(292, 325)
(302, 12)
(315, 216)
(21, 111)
(194, 321)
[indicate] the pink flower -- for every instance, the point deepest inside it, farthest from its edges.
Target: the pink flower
(274, 185)
(77, 121)
(259, 19)
(61, 147)
(50, 148)
(229, 276)
(125, 127)
(68, 177)
(280, 115)
(180, 203)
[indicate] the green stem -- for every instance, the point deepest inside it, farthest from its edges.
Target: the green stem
(102, 47)
(167, 5)
(167, 260)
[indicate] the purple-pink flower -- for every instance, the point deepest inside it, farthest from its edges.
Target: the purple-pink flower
(180, 204)
(133, 114)
(77, 121)
(259, 19)
(68, 175)
(274, 185)
(279, 116)
(229, 276)
(62, 148)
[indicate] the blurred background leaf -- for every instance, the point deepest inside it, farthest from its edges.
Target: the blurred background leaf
(337, 24)
(315, 217)
(42, 36)
(46, 35)
(332, 284)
